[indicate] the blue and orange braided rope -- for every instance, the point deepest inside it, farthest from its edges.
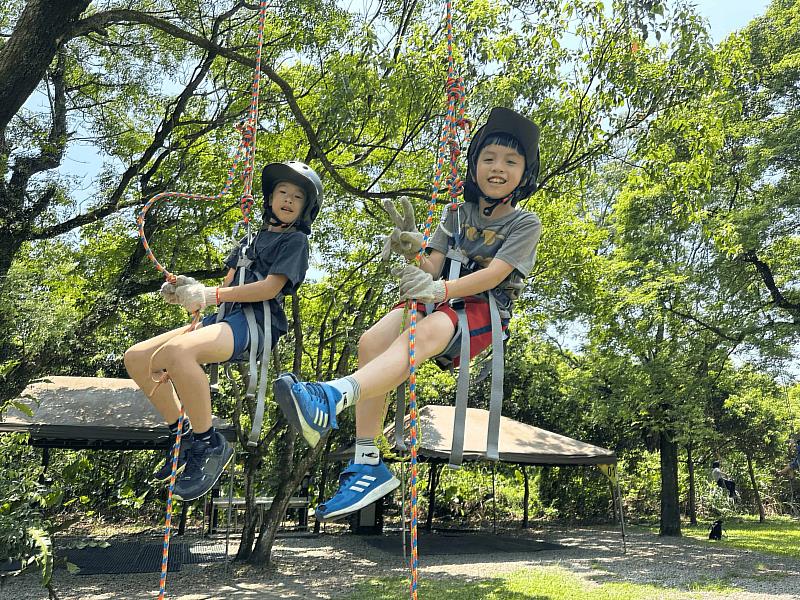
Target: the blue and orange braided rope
(449, 150)
(245, 154)
(162, 586)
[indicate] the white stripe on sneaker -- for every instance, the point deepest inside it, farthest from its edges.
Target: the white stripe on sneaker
(356, 488)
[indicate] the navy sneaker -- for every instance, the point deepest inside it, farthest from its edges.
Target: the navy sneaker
(204, 466)
(359, 486)
(164, 472)
(309, 407)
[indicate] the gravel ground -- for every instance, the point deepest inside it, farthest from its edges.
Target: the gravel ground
(328, 566)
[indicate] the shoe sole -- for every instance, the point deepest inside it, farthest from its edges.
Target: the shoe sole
(376, 494)
(166, 479)
(213, 483)
(286, 400)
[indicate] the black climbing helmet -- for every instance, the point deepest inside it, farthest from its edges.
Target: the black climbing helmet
(508, 128)
(300, 174)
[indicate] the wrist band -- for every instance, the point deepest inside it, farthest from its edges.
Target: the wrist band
(446, 291)
(216, 295)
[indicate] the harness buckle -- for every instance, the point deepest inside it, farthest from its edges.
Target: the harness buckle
(457, 303)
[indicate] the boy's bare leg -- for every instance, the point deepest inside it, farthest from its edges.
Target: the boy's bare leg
(182, 357)
(374, 342)
(137, 363)
(389, 369)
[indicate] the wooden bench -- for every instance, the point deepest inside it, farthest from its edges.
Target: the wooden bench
(263, 503)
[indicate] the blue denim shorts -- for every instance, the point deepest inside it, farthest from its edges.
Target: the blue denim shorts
(237, 321)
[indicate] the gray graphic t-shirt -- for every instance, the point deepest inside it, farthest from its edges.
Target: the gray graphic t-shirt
(512, 238)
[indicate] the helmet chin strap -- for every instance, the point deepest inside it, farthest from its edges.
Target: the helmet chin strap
(274, 221)
(493, 203)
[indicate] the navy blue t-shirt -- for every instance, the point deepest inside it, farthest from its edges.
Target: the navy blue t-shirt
(275, 253)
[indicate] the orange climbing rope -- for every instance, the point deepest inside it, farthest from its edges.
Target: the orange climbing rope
(449, 150)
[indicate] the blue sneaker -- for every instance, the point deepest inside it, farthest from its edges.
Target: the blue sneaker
(359, 486)
(309, 407)
(204, 466)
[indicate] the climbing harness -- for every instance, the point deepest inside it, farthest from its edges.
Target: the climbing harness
(245, 154)
(461, 344)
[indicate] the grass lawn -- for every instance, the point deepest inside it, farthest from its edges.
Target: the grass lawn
(528, 584)
(779, 535)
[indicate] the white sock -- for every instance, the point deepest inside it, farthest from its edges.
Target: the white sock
(350, 389)
(367, 452)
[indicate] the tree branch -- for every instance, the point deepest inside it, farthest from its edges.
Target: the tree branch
(764, 271)
(103, 19)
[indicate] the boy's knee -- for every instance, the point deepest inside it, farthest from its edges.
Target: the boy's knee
(170, 355)
(133, 359)
(370, 342)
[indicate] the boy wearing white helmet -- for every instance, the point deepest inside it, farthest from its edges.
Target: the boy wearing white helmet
(261, 271)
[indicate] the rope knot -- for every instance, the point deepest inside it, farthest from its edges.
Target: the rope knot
(247, 129)
(455, 89)
(455, 149)
(456, 188)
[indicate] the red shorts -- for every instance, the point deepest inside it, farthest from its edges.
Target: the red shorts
(478, 319)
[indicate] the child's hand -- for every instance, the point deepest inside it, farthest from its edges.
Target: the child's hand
(405, 239)
(168, 289)
(196, 296)
(420, 285)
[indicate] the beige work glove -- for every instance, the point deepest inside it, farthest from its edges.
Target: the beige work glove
(420, 285)
(168, 289)
(405, 239)
(196, 296)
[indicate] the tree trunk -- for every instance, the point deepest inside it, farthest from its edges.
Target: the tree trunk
(252, 463)
(31, 48)
(692, 489)
(290, 473)
(670, 508)
(263, 549)
(323, 479)
(525, 497)
(761, 516)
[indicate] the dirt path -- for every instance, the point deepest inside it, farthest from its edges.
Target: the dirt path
(328, 566)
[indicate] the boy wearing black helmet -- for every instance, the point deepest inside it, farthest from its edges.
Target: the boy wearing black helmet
(498, 241)
(262, 270)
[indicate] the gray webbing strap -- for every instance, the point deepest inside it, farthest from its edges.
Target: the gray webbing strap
(462, 393)
(252, 360)
(456, 258)
(462, 388)
(252, 326)
(258, 419)
(496, 396)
